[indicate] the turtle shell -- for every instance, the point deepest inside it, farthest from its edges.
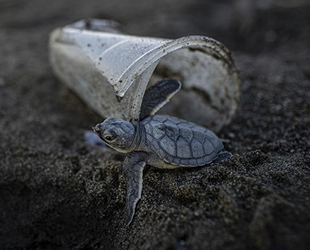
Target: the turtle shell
(180, 142)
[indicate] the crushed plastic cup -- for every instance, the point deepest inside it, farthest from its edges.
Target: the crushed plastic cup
(110, 71)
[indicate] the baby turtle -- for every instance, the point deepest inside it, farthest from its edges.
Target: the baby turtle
(161, 141)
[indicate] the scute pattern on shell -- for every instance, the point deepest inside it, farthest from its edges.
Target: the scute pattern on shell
(180, 142)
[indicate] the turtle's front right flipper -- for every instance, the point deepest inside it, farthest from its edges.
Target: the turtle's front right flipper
(133, 171)
(157, 96)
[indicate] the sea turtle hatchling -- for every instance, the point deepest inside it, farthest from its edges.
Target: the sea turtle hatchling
(161, 141)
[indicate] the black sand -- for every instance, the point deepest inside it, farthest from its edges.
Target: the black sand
(58, 193)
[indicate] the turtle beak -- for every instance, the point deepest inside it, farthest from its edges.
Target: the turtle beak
(97, 129)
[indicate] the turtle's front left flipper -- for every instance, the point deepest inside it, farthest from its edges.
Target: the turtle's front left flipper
(133, 170)
(157, 96)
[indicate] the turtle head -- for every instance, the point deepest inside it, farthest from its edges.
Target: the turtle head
(117, 133)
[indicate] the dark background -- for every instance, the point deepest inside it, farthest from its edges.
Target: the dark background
(58, 192)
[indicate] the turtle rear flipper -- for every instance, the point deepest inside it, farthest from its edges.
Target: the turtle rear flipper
(222, 156)
(157, 96)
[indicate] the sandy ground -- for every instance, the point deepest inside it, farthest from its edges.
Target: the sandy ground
(58, 192)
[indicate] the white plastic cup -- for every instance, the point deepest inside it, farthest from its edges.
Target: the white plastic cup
(110, 71)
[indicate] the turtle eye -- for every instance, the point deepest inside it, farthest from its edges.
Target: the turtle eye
(109, 137)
